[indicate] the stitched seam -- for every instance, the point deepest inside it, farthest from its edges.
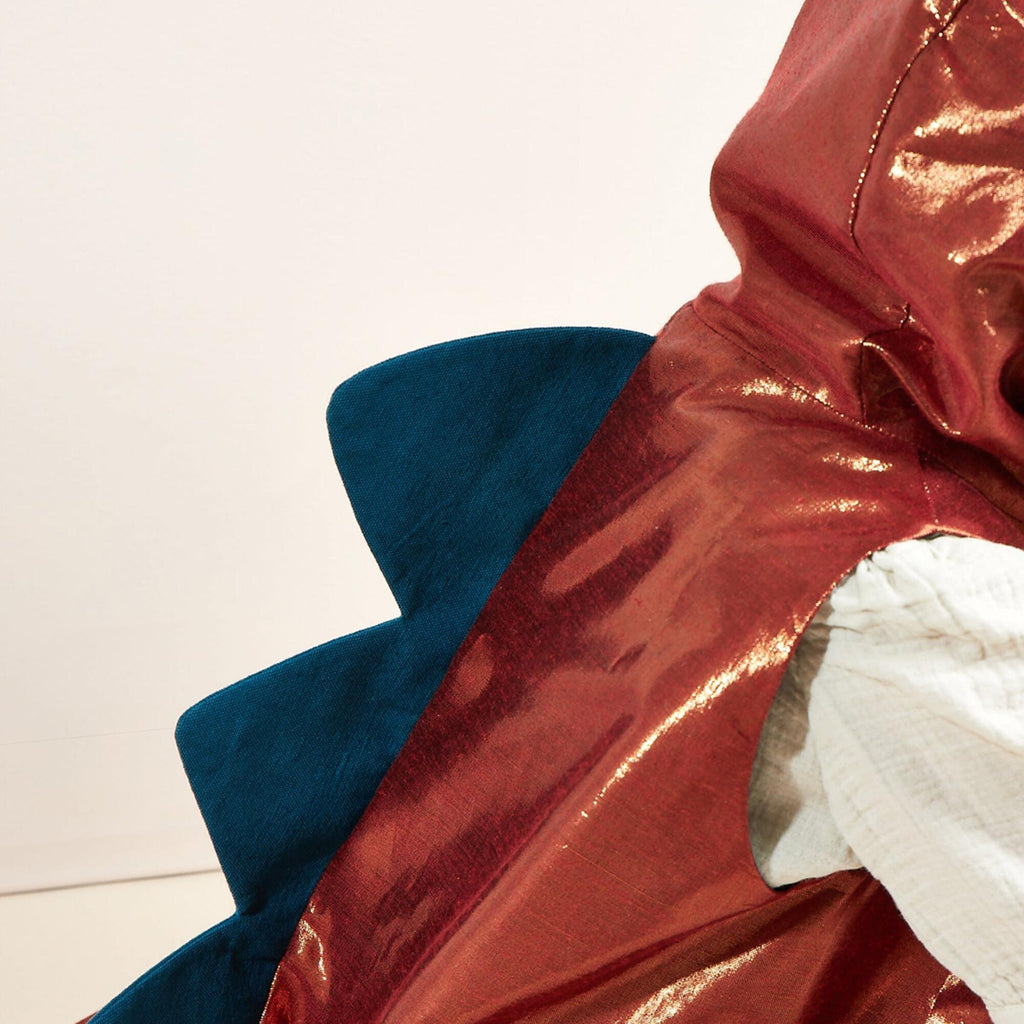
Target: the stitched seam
(862, 350)
(799, 387)
(927, 488)
(908, 445)
(884, 117)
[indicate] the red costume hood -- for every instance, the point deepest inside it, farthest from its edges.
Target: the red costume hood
(875, 198)
(563, 838)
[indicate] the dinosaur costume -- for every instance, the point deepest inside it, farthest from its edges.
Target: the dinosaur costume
(562, 835)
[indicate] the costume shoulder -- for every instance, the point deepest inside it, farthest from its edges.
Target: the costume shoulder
(449, 456)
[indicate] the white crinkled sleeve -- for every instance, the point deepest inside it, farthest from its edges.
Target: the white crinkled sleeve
(917, 719)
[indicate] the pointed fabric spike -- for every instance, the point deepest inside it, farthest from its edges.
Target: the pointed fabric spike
(449, 455)
(272, 759)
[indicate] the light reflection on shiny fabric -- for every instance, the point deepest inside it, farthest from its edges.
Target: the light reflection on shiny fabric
(940, 11)
(858, 463)
(964, 118)
(664, 1005)
(815, 509)
(307, 937)
(768, 387)
(841, 505)
(932, 185)
(938, 1016)
(1016, 15)
(765, 654)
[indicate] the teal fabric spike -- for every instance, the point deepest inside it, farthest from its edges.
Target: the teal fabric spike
(449, 456)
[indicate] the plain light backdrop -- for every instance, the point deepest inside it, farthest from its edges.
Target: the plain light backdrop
(211, 215)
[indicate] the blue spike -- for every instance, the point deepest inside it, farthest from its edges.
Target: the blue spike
(449, 455)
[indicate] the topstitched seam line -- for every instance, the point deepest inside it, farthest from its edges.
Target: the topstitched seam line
(927, 491)
(909, 445)
(883, 117)
(861, 352)
(799, 387)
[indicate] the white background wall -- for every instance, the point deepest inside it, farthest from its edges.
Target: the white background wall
(213, 213)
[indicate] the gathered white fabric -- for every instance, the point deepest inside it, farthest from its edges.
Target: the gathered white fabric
(896, 742)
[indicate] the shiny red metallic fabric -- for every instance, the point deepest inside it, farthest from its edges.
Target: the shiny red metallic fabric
(564, 836)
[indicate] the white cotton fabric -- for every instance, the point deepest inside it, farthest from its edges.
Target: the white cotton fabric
(1006, 1014)
(896, 742)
